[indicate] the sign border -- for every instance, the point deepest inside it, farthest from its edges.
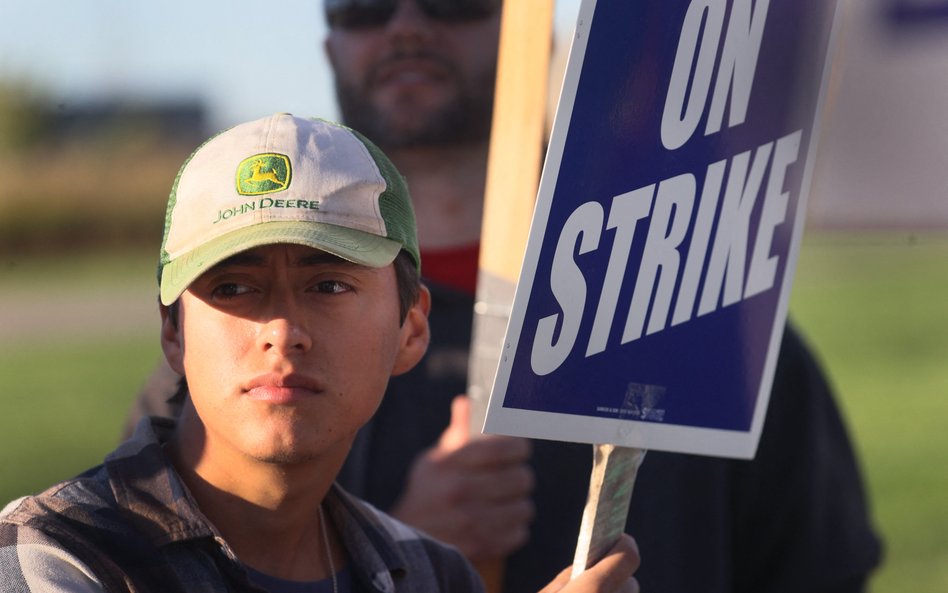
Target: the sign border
(627, 432)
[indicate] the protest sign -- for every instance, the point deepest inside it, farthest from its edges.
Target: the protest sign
(657, 275)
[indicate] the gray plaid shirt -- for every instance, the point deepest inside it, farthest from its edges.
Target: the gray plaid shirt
(130, 525)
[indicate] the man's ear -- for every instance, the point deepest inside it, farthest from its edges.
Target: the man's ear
(415, 334)
(172, 338)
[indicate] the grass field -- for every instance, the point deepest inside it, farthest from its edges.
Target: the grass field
(875, 309)
(872, 307)
(73, 352)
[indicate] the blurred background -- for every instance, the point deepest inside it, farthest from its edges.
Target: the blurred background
(101, 101)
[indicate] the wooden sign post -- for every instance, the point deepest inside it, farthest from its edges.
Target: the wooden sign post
(513, 173)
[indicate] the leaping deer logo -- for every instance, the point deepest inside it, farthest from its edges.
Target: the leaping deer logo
(263, 174)
(257, 176)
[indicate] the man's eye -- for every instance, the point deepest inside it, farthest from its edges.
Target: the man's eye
(332, 287)
(230, 290)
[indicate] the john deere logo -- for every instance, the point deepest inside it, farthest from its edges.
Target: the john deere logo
(263, 174)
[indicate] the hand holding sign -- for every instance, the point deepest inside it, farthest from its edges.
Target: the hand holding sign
(471, 493)
(612, 574)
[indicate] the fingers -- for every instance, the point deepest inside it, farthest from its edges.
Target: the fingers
(497, 532)
(611, 574)
(458, 432)
(490, 514)
(473, 493)
(482, 452)
(497, 485)
(486, 451)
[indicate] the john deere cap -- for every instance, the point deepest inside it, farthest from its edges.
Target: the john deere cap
(284, 179)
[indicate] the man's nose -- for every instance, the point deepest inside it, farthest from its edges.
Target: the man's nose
(282, 335)
(409, 20)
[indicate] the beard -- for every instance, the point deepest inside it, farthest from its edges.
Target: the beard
(465, 119)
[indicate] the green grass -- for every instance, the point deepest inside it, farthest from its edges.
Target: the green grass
(66, 395)
(873, 307)
(64, 405)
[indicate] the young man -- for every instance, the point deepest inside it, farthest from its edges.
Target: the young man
(417, 77)
(289, 295)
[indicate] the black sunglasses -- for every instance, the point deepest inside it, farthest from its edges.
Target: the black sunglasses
(360, 14)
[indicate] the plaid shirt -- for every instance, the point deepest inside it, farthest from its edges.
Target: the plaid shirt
(130, 525)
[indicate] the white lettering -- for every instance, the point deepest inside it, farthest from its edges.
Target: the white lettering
(730, 239)
(568, 287)
(670, 205)
(688, 292)
(738, 63)
(670, 220)
(627, 209)
(683, 110)
(763, 266)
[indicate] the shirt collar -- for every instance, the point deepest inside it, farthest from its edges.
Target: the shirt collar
(160, 506)
(146, 485)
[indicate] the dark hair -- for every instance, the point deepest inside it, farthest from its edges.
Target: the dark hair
(407, 282)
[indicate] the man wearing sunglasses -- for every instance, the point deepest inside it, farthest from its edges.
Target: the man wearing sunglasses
(417, 77)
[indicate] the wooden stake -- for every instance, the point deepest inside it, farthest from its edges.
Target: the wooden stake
(607, 507)
(513, 174)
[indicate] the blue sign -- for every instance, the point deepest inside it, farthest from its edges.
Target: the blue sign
(657, 275)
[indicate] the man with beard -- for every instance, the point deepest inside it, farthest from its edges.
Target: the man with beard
(416, 76)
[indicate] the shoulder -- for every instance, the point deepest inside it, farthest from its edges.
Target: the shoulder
(66, 502)
(32, 559)
(803, 410)
(389, 550)
(77, 501)
(63, 531)
(804, 484)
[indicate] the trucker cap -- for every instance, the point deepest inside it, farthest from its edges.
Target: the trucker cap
(284, 179)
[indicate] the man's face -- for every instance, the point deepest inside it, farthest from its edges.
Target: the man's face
(416, 80)
(287, 351)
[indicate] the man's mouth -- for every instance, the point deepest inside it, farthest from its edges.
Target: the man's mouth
(413, 69)
(281, 389)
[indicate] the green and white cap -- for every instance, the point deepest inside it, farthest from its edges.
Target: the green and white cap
(284, 179)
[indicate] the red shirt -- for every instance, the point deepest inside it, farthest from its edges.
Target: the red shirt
(455, 267)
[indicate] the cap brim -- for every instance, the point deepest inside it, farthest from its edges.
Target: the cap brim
(349, 244)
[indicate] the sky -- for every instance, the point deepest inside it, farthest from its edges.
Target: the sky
(243, 59)
(885, 133)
